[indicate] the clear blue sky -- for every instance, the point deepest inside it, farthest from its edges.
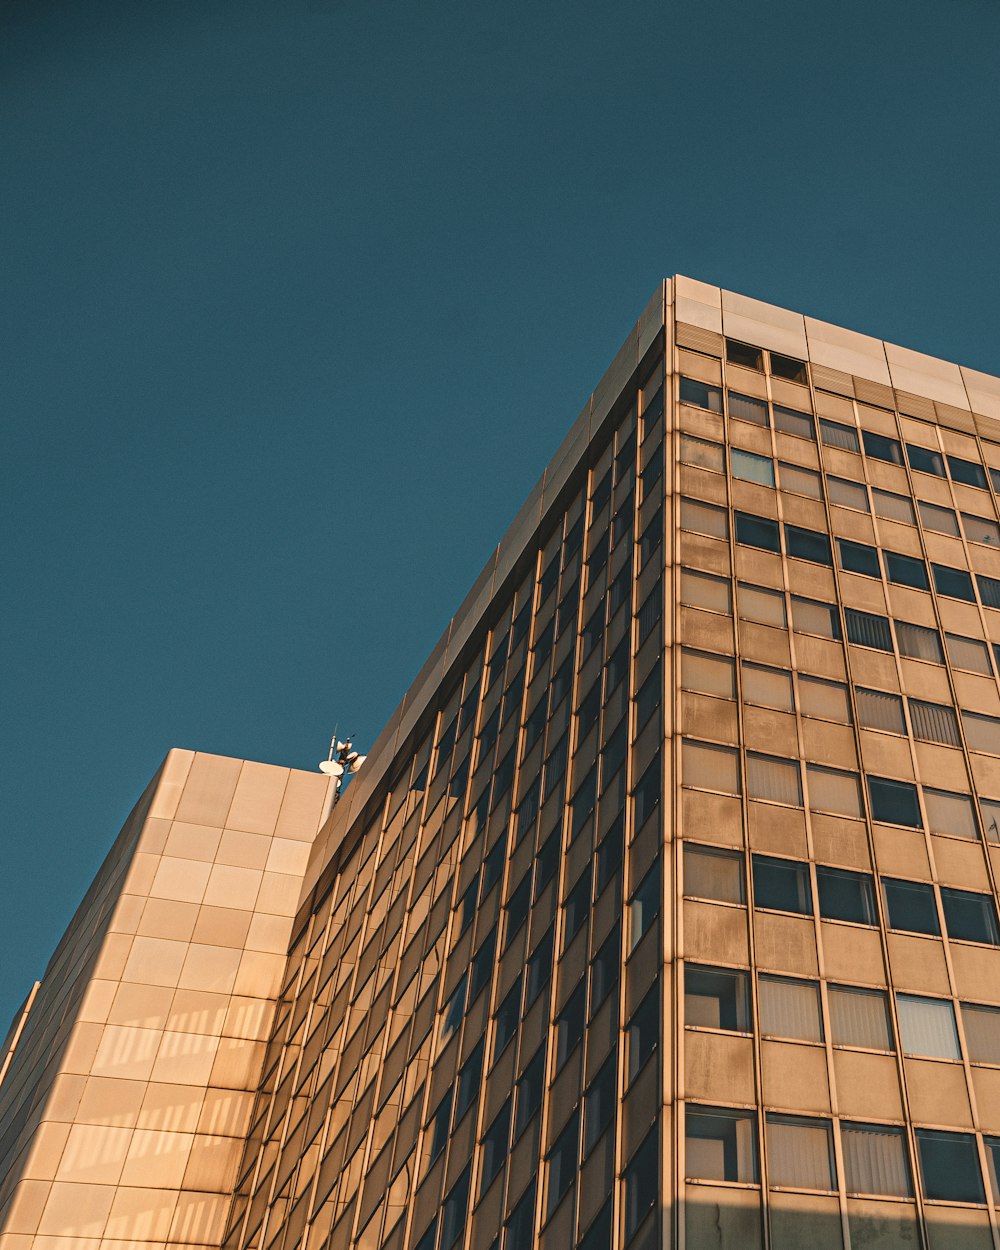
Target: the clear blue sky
(299, 297)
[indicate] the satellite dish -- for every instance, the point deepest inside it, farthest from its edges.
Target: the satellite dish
(356, 763)
(332, 768)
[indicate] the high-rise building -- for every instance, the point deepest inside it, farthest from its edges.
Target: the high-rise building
(663, 912)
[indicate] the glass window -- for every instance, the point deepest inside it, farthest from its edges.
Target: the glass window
(749, 467)
(799, 1152)
(766, 607)
(836, 434)
(875, 1160)
(826, 699)
(716, 998)
(989, 809)
(599, 1103)
(495, 1141)
(950, 814)
(969, 916)
(878, 709)
(892, 507)
(906, 570)
(918, 643)
(934, 722)
(747, 408)
(521, 1221)
(604, 969)
(982, 1032)
(713, 873)
(865, 629)
(789, 1008)
(859, 1017)
(707, 673)
(833, 790)
(847, 494)
(881, 448)
(858, 558)
(642, 1034)
(470, 1076)
(792, 422)
(978, 529)
(647, 699)
(711, 767)
(569, 1025)
(803, 544)
(757, 531)
(720, 1144)
(845, 895)
(787, 367)
(982, 732)
(949, 1166)
(702, 454)
(924, 460)
(702, 590)
(967, 471)
(927, 1027)
(642, 1184)
(507, 1015)
(704, 518)
(768, 687)
(781, 885)
(800, 481)
(539, 969)
(811, 617)
(561, 1164)
(968, 653)
(644, 906)
(956, 583)
(989, 590)
(910, 905)
(744, 354)
(576, 909)
(454, 1210)
(774, 780)
(701, 395)
(941, 520)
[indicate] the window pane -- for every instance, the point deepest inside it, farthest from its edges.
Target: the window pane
(969, 916)
(934, 722)
(891, 507)
(956, 583)
(845, 895)
(906, 570)
(949, 1165)
(793, 422)
(710, 872)
(787, 367)
(769, 687)
(757, 531)
(826, 699)
(847, 494)
(800, 481)
(803, 544)
(799, 1152)
(982, 1032)
(744, 354)
(720, 1144)
(562, 1164)
(747, 408)
(927, 1027)
(832, 790)
(967, 471)
(910, 905)
(702, 590)
(875, 1160)
(704, 455)
(835, 434)
(711, 767)
(767, 607)
(644, 907)
(982, 732)
(924, 460)
(599, 1104)
(865, 629)
(703, 518)
(918, 643)
(858, 558)
(950, 814)
(859, 1018)
(941, 520)
(773, 779)
(968, 653)
(751, 468)
(642, 1184)
(701, 395)
(989, 809)
(716, 998)
(881, 448)
(781, 885)
(708, 674)
(989, 590)
(810, 617)
(978, 529)
(877, 709)
(789, 1009)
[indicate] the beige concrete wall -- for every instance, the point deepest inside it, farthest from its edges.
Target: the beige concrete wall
(126, 1099)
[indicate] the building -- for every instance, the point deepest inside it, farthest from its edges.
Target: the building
(663, 912)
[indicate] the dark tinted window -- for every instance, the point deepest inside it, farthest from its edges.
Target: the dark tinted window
(954, 582)
(716, 998)
(529, 1091)
(781, 884)
(949, 1164)
(599, 1103)
(454, 1211)
(970, 917)
(894, 802)
(643, 1033)
(910, 905)
(744, 354)
(857, 558)
(967, 471)
(569, 1025)
(846, 895)
(906, 570)
(757, 531)
(789, 368)
(807, 545)
(881, 448)
(923, 460)
(701, 395)
(562, 1162)
(989, 590)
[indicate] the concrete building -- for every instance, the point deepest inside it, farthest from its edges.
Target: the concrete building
(663, 912)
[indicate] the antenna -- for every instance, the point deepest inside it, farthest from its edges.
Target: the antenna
(341, 762)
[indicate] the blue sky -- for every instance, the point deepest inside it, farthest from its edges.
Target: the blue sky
(298, 298)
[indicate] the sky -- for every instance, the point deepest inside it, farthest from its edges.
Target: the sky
(298, 297)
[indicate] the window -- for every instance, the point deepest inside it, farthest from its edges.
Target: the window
(642, 1184)
(521, 1221)
(647, 699)
(847, 494)
(704, 455)
(865, 629)
(439, 1125)
(576, 909)
(751, 468)
(781, 885)
(646, 796)
(789, 1008)
(702, 590)
(790, 421)
(712, 873)
(507, 1015)
(967, 471)
(720, 1144)
(845, 895)
(747, 408)
(891, 507)
(710, 767)
(878, 709)
(835, 434)
(644, 906)
(949, 1166)
(927, 1027)
(812, 617)
(705, 673)
(910, 905)
(978, 529)
(831, 790)
(649, 612)
(881, 448)
(700, 395)
(969, 917)
(529, 1091)
(934, 722)
(982, 1032)
(773, 780)
(968, 653)
(956, 583)
(799, 1152)
(918, 643)
(744, 354)
(859, 1017)
(569, 1025)
(982, 732)
(716, 998)
(599, 1103)
(539, 969)
(989, 590)
(561, 1164)
(454, 1210)
(604, 969)
(788, 367)
(469, 1080)
(923, 460)
(451, 1014)
(858, 558)
(765, 607)
(803, 544)
(768, 687)
(517, 907)
(940, 520)
(757, 531)
(800, 481)
(704, 518)
(989, 809)
(875, 1160)
(597, 1236)
(950, 814)
(906, 570)
(495, 1147)
(826, 699)
(642, 1033)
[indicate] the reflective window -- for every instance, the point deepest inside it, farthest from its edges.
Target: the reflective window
(720, 1144)
(702, 590)
(859, 1017)
(716, 998)
(949, 1166)
(906, 570)
(781, 884)
(982, 1032)
(989, 809)
(701, 395)
(749, 467)
(845, 895)
(803, 544)
(745, 355)
(967, 471)
(881, 448)
(969, 916)
(766, 607)
(910, 905)
(642, 1184)
(713, 873)
(800, 481)
(978, 529)
(924, 460)
(644, 907)
(757, 531)
(704, 455)
(950, 814)
(707, 673)
(747, 408)
(768, 687)
(642, 1034)
(956, 583)
(858, 558)
(989, 590)
(828, 700)
(892, 507)
(787, 367)
(934, 517)
(792, 422)
(561, 1164)
(704, 518)
(599, 1103)
(847, 494)
(789, 1008)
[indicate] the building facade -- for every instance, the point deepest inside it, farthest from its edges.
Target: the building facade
(663, 913)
